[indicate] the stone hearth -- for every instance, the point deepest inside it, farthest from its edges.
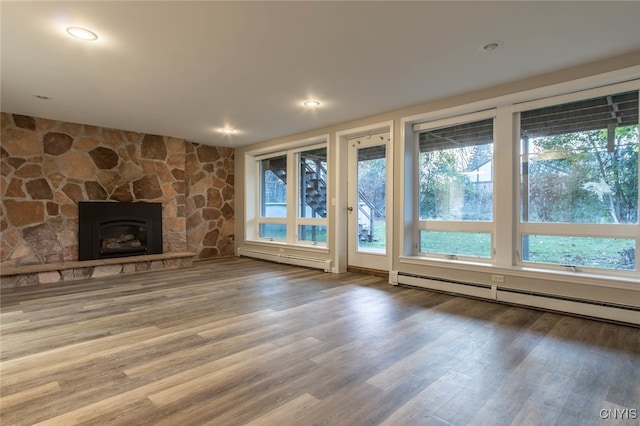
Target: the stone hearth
(68, 271)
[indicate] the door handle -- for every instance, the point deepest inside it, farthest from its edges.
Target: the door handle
(350, 209)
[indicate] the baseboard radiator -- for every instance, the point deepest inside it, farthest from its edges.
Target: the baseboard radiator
(434, 283)
(309, 262)
(629, 314)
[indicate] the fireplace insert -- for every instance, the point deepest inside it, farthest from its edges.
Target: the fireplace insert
(110, 230)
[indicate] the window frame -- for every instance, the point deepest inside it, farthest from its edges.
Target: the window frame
(588, 230)
(266, 220)
(309, 221)
(291, 220)
(470, 226)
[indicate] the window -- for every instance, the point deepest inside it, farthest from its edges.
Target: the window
(273, 198)
(312, 199)
(455, 186)
(579, 183)
(293, 196)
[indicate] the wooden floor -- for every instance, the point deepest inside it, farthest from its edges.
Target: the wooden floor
(241, 341)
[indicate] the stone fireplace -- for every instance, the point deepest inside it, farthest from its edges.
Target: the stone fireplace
(108, 230)
(50, 168)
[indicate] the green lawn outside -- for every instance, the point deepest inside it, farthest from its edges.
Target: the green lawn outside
(456, 243)
(379, 236)
(605, 253)
(608, 253)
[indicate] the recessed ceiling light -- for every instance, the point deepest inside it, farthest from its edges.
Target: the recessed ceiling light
(227, 131)
(82, 33)
(311, 104)
(490, 47)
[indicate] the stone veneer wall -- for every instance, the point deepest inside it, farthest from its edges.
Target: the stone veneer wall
(210, 200)
(48, 166)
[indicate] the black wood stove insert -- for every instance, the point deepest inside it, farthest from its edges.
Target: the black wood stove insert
(110, 230)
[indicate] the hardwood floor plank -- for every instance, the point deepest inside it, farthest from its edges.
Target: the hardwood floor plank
(103, 406)
(419, 409)
(431, 361)
(293, 412)
(29, 395)
(336, 408)
(544, 406)
(234, 373)
(261, 385)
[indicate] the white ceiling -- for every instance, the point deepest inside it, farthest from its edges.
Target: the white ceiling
(187, 69)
